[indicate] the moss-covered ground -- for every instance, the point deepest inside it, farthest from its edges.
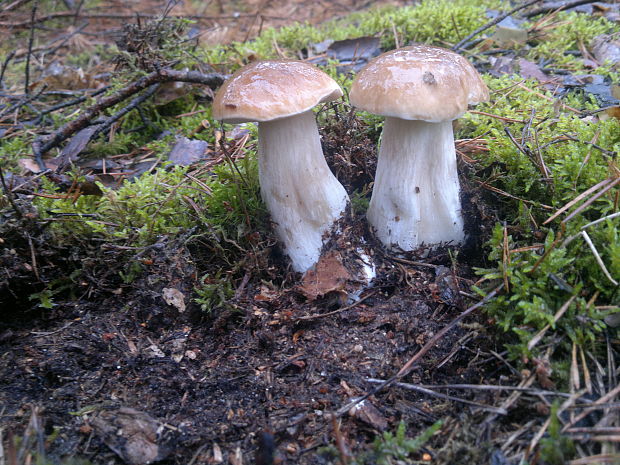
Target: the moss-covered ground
(103, 240)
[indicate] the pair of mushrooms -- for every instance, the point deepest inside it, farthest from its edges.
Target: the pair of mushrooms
(415, 200)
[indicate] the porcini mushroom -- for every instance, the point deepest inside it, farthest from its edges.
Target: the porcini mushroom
(302, 195)
(420, 89)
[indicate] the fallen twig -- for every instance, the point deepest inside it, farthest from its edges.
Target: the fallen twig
(536, 339)
(538, 436)
(8, 58)
(577, 199)
(340, 310)
(129, 16)
(525, 383)
(9, 194)
(490, 24)
(598, 258)
(70, 103)
(510, 196)
(554, 8)
(41, 146)
(407, 367)
(591, 200)
(495, 387)
(596, 404)
(600, 458)
(425, 390)
(30, 43)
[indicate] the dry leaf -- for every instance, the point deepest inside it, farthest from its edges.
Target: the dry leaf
(174, 297)
(328, 276)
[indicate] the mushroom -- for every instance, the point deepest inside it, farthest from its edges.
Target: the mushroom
(420, 89)
(302, 195)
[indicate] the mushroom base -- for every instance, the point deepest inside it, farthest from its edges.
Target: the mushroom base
(415, 199)
(302, 195)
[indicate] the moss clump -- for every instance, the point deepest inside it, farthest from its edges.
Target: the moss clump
(559, 163)
(570, 32)
(161, 203)
(440, 22)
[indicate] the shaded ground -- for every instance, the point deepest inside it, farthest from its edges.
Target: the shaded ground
(124, 373)
(203, 388)
(256, 367)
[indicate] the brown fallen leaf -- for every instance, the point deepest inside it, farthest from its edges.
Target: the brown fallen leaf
(187, 151)
(369, 414)
(606, 49)
(329, 275)
(174, 297)
(134, 436)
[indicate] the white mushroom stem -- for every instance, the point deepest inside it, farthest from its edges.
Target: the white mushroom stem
(415, 199)
(302, 195)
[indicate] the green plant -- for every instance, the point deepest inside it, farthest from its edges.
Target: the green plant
(214, 292)
(556, 449)
(394, 448)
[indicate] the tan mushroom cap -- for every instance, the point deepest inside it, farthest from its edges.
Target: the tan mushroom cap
(419, 82)
(268, 90)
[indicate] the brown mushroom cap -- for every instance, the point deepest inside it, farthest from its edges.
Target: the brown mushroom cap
(419, 82)
(268, 90)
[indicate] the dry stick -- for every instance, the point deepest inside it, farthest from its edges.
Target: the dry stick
(536, 339)
(71, 14)
(610, 395)
(9, 194)
(340, 310)
(604, 151)
(15, 4)
(66, 39)
(567, 403)
(496, 387)
(598, 258)
(510, 196)
(525, 383)
(40, 147)
(595, 430)
(591, 200)
(501, 118)
(492, 23)
(105, 125)
(600, 458)
(8, 58)
(30, 42)
(405, 369)
(33, 257)
(424, 390)
(70, 103)
(340, 442)
(24, 101)
(577, 199)
(543, 96)
(549, 9)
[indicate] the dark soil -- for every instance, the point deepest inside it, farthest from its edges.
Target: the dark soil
(190, 385)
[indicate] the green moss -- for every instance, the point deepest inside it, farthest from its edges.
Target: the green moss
(533, 275)
(569, 32)
(161, 203)
(12, 150)
(440, 22)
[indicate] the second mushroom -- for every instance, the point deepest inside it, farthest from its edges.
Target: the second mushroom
(420, 89)
(302, 195)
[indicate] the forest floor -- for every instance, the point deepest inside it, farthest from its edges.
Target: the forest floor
(129, 371)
